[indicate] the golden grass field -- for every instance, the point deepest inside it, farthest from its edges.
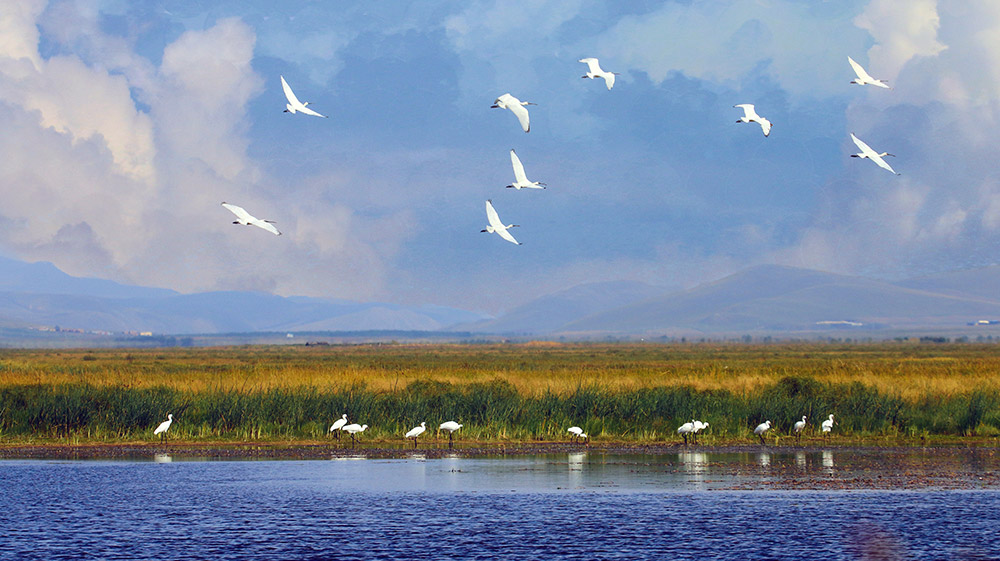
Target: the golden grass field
(526, 391)
(908, 370)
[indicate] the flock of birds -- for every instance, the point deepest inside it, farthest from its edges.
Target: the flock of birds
(519, 109)
(496, 226)
(689, 429)
(826, 427)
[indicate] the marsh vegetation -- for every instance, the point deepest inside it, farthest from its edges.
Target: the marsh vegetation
(525, 392)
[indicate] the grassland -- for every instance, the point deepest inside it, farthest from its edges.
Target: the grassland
(523, 392)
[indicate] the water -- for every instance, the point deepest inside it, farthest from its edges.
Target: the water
(574, 506)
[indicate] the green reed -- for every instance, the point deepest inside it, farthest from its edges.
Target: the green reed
(489, 411)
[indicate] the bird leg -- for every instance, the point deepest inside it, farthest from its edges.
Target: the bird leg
(762, 439)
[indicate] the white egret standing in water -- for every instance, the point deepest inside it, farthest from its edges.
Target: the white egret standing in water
(415, 432)
(161, 429)
(761, 429)
(338, 424)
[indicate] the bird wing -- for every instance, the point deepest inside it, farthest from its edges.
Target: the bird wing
(308, 111)
(243, 215)
(865, 149)
(265, 225)
(863, 75)
(522, 115)
(503, 233)
(290, 95)
(503, 101)
(519, 177)
(609, 79)
(162, 427)
(492, 216)
(415, 431)
(765, 125)
(593, 66)
(748, 110)
(881, 163)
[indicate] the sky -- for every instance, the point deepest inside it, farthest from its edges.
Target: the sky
(125, 124)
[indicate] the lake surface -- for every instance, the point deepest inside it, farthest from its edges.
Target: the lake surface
(568, 506)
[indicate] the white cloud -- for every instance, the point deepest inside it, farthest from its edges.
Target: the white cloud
(730, 43)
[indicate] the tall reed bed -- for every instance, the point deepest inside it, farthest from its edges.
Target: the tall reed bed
(491, 411)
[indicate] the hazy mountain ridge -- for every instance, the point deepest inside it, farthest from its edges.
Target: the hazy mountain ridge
(41, 296)
(762, 299)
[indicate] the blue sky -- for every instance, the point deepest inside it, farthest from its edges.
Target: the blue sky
(125, 124)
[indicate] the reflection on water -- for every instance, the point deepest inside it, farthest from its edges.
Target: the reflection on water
(162, 458)
(764, 459)
(828, 461)
(583, 505)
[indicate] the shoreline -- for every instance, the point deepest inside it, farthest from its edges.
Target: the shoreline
(728, 467)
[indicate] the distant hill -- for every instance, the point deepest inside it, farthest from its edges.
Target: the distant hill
(767, 299)
(553, 311)
(778, 299)
(46, 278)
(40, 295)
(982, 282)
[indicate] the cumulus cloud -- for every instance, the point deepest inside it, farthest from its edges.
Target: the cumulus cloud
(802, 46)
(941, 119)
(115, 166)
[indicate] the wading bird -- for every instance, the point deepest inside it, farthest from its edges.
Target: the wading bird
(594, 71)
(294, 105)
(863, 77)
(415, 432)
(516, 106)
(698, 427)
(577, 433)
(451, 427)
(686, 429)
(354, 429)
(867, 152)
(761, 429)
(827, 425)
(338, 424)
(244, 218)
(161, 429)
(750, 116)
(520, 179)
(798, 426)
(496, 226)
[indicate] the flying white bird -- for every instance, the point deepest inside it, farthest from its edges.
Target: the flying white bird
(244, 218)
(354, 429)
(864, 77)
(798, 426)
(827, 425)
(516, 106)
(338, 424)
(520, 179)
(415, 432)
(761, 429)
(594, 71)
(161, 429)
(686, 429)
(750, 116)
(496, 226)
(867, 152)
(451, 427)
(294, 105)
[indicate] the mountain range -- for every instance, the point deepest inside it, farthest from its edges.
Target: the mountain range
(766, 299)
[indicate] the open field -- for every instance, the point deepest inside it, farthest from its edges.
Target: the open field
(528, 392)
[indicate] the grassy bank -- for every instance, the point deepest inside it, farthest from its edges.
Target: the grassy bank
(499, 392)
